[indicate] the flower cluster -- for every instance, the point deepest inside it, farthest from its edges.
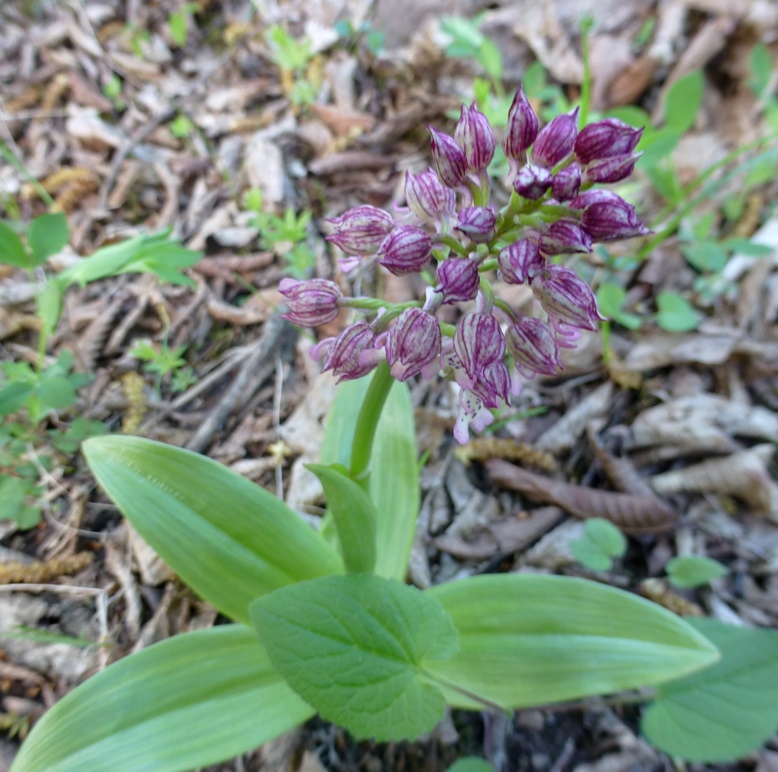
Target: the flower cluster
(448, 222)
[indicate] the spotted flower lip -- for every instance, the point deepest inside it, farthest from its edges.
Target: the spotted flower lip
(311, 303)
(449, 159)
(556, 140)
(522, 128)
(427, 197)
(566, 298)
(407, 249)
(360, 230)
(413, 345)
(605, 139)
(475, 136)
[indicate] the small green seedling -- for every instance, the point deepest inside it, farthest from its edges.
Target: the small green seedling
(688, 572)
(600, 544)
(178, 22)
(675, 313)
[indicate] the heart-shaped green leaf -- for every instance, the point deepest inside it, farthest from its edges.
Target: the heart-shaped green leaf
(725, 711)
(356, 648)
(531, 640)
(187, 702)
(228, 539)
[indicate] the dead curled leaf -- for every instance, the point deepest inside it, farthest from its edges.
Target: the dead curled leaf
(633, 514)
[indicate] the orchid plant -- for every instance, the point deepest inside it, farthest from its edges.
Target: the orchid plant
(323, 621)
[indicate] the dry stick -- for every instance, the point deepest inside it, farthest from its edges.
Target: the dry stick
(239, 394)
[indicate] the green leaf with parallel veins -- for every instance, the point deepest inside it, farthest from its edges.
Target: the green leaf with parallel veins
(47, 235)
(12, 251)
(355, 517)
(188, 702)
(726, 710)
(532, 640)
(693, 571)
(356, 648)
(228, 539)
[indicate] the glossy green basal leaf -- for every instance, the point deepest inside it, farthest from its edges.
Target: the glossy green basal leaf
(725, 711)
(228, 539)
(356, 647)
(355, 517)
(394, 480)
(188, 702)
(531, 640)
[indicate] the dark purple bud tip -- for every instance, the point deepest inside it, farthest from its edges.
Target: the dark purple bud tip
(475, 136)
(458, 279)
(605, 139)
(310, 303)
(522, 128)
(477, 223)
(352, 354)
(532, 182)
(564, 237)
(566, 183)
(555, 141)
(449, 159)
(566, 298)
(520, 262)
(427, 197)
(413, 345)
(361, 230)
(613, 169)
(407, 249)
(534, 348)
(608, 217)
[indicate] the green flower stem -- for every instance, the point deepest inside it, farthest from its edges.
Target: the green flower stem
(488, 293)
(453, 244)
(447, 330)
(505, 307)
(367, 423)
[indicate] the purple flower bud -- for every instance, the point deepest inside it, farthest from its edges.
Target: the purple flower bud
(448, 157)
(407, 249)
(477, 223)
(522, 127)
(613, 169)
(532, 182)
(608, 217)
(311, 302)
(478, 341)
(520, 262)
(494, 385)
(475, 136)
(427, 197)
(564, 237)
(352, 353)
(413, 345)
(605, 139)
(458, 279)
(566, 183)
(566, 298)
(361, 230)
(534, 348)
(555, 141)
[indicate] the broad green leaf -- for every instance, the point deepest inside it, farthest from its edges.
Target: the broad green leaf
(47, 235)
(355, 517)
(705, 255)
(683, 100)
(760, 66)
(491, 59)
(13, 492)
(610, 298)
(57, 392)
(190, 701)
(228, 539)
(601, 542)
(531, 640)
(725, 711)
(12, 251)
(675, 313)
(693, 571)
(471, 764)
(355, 647)
(394, 480)
(14, 395)
(748, 247)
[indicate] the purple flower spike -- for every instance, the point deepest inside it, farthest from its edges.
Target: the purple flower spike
(520, 262)
(361, 230)
(532, 182)
(494, 385)
(449, 159)
(478, 342)
(352, 354)
(608, 217)
(458, 279)
(605, 139)
(407, 249)
(522, 128)
(566, 298)
(564, 237)
(413, 345)
(534, 348)
(475, 136)
(312, 302)
(566, 183)
(477, 223)
(427, 197)
(613, 169)
(555, 141)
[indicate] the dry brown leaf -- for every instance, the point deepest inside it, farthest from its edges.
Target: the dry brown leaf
(343, 121)
(633, 514)
(484, 448)
(619, 470)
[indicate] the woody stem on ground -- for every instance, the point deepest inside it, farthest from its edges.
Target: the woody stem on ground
(367, 422)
